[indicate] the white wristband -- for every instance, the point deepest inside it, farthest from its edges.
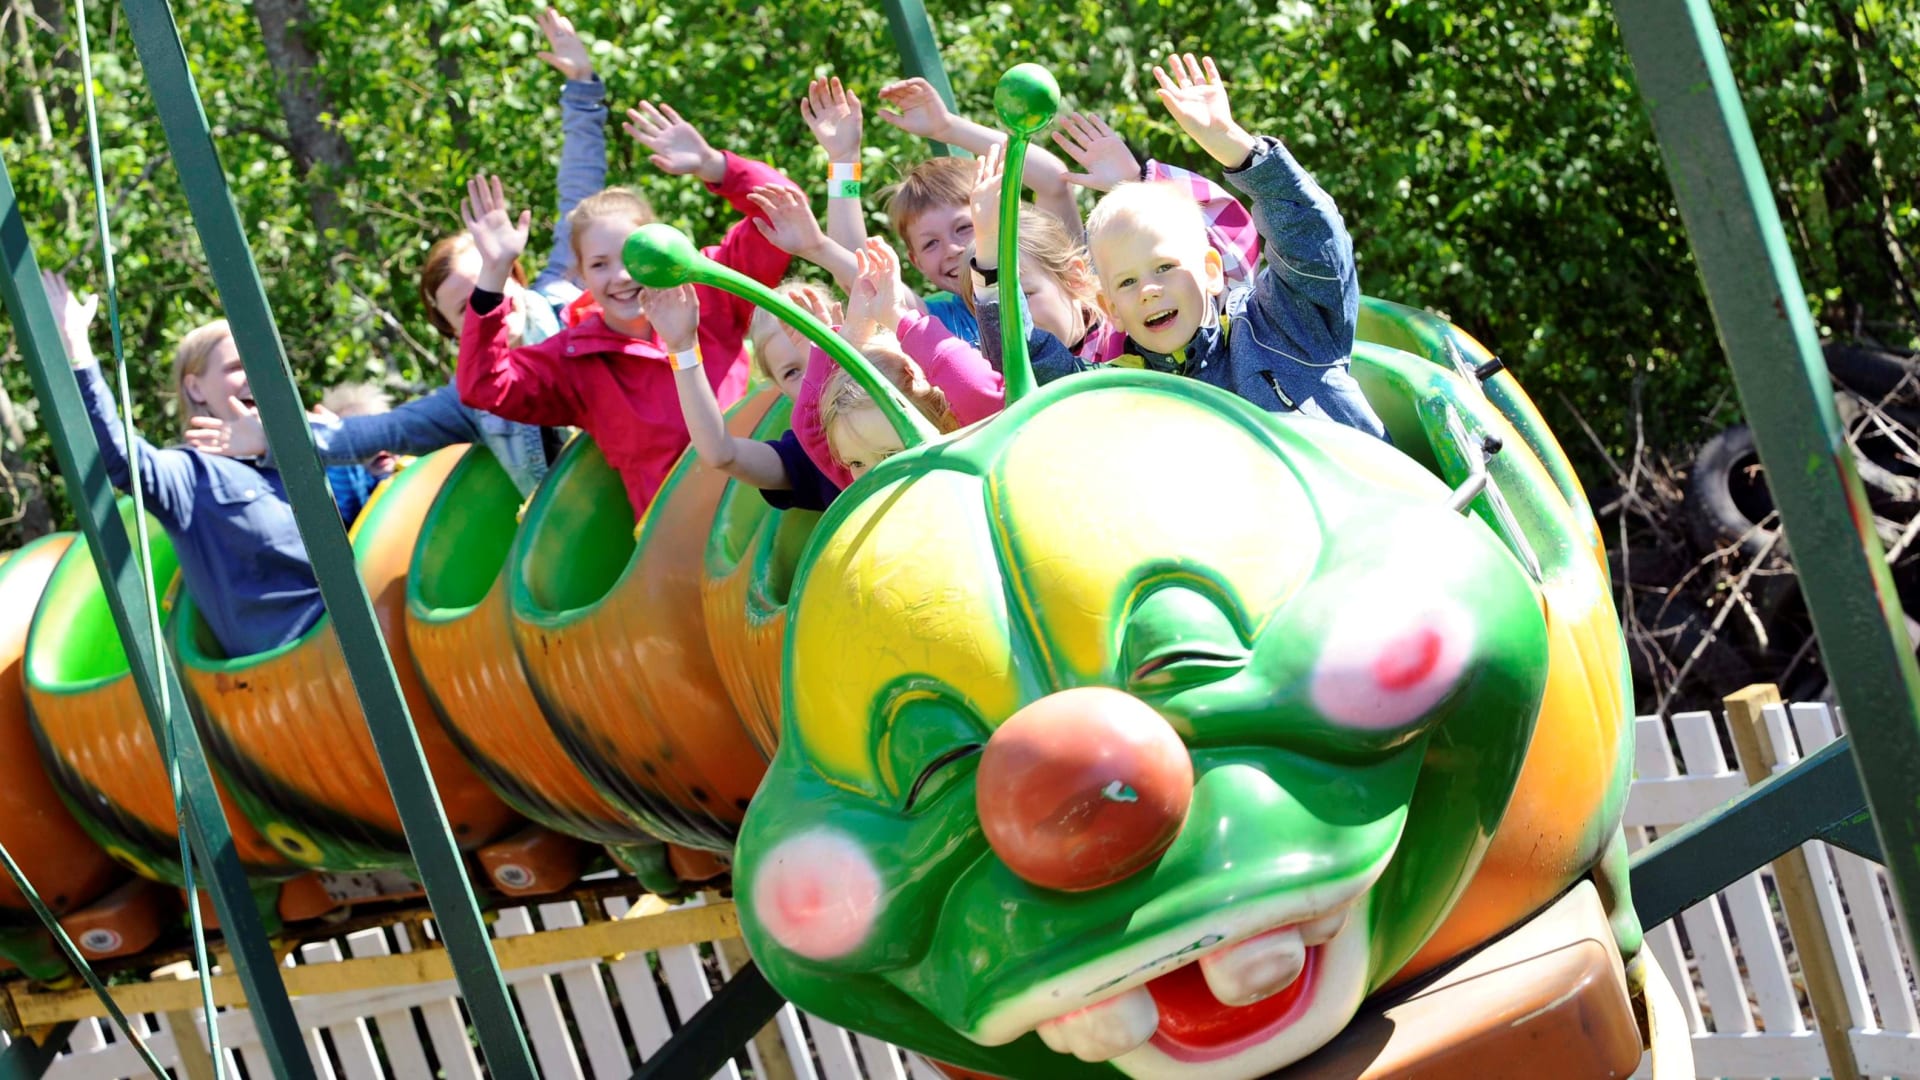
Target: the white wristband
(843, 180)
(686, 358)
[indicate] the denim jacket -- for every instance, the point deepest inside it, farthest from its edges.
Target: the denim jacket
(231, 525)
(583, 171)
(428, 423)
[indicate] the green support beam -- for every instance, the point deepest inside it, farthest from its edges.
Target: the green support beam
(78, 454)
(1819, 797)
(24, 1059)
(1760, 310)
(223, 237)
(920, 52)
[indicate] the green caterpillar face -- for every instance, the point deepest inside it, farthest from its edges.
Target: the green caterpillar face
(1134, 727)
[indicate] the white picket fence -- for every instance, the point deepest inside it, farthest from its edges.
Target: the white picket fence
(590, 1020)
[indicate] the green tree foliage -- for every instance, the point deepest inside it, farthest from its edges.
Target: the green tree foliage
(1492, 159)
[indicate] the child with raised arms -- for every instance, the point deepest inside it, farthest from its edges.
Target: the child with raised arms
(1284, 342)
(610, 374)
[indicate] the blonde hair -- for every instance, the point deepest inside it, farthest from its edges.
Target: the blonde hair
(931, 185)
(765, 324)
(843, 396)
(356, 399)
(438, 268)
(1170, 206)
(1047, 242)
(613, 202)
(190, 358)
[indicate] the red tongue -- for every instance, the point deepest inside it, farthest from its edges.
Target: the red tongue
(1190, 1016)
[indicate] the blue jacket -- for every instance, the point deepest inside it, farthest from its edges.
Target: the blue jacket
(428, 423)
(1283, 342)
(231, 525)
(583, 171)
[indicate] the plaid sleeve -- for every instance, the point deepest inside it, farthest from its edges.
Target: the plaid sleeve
(1230, 227)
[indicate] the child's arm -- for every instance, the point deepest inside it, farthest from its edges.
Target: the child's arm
(1308, 246)
(838, 124)
(517, 384)
(788, 224)
(166, 476)
(1108, 162)
(921, 112)
(806, 418)
(583, 143)
(679, 149)
(1050, 357)
(675, 314)
(417, 427)
(974, 390)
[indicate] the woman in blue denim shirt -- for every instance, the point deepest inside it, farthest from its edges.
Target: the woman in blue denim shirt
(231, 524)
(437, 418)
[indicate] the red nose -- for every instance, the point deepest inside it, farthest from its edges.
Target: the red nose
(1082, 788)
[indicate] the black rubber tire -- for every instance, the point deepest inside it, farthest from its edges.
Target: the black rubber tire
(1872, 373)
(1713, 517)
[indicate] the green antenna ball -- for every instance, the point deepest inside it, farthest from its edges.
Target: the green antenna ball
(660, 256)
(1026, 99)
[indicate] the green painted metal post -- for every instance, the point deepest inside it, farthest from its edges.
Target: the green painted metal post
(24, 1059)
(223, 237)
(78, 454)
(920, 51)
(1760, 310)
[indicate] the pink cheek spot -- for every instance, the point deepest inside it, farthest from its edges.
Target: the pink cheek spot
(818, 894)
(1379, 671)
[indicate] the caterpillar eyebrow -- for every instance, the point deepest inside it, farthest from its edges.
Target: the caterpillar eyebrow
(956, 754)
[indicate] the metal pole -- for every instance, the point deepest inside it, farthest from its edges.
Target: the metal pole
(25, 1059)
(722, 1028)
(235, 275)
(920, 52)
(78, 454)
(1760, 311)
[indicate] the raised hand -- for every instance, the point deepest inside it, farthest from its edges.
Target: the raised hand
(789, 223)
(677, 146)
(242, 437)
(835, 118)
(917, 108)
(72, 316)
(1095, 147)
(675, 315)
(988, 172)
(565, 51)
(1197, 98)
(826, 309)
(496, 235)
(879, 296)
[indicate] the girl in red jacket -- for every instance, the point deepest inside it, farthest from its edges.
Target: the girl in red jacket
(609, 375)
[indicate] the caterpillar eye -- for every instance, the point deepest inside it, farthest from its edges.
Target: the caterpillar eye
(1185, 667)
(937, 775)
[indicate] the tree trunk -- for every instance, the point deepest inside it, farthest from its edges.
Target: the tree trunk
(321, 156)
(1870, 276)
(446, 63)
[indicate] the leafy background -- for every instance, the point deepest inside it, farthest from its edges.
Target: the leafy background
(1492, 159)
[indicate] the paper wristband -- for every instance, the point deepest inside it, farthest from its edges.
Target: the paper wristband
(843, 180)
(686, 358)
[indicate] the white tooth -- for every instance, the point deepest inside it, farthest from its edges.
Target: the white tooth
(1256, 968)
(1325, 928)
(1105, 1030)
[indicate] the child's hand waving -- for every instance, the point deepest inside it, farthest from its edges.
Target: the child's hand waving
(835, 118)
(1095, 147)
(678, 147)
(239, 438)
(1197, 98)
(565, 51)
(828, 311)
(879, 296)
(72, 316)
(496, 235)
(988, 172)
(789, 223)
(675, 315)
(919, 108)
